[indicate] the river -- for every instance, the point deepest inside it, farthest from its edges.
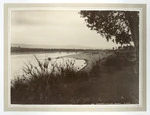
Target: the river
(18, 61)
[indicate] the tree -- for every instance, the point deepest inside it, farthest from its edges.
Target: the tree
(119, 26)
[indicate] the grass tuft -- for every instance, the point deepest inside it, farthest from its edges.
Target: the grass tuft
(40, 84)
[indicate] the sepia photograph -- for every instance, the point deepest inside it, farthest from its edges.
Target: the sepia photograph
(74, 56)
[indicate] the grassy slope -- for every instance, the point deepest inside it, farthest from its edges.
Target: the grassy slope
(112, 84)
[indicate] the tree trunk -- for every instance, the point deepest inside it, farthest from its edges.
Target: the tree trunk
(135, 37)
(133, 19)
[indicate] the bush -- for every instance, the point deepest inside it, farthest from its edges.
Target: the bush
(40, 84)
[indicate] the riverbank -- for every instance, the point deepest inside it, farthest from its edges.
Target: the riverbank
(113, 80)
(91, 58)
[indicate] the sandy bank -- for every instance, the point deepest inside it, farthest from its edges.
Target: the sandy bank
(91, 57)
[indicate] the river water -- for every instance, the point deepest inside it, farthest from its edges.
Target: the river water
(18, 61)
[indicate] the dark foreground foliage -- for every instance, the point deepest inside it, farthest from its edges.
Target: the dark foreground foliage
(113, 81)
(39, 85)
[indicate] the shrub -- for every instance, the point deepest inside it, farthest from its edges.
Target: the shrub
(39, 84)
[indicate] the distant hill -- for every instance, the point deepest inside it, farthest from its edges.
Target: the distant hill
(51, 46)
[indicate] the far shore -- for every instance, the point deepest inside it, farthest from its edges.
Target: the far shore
(19, 51)
(39, 52)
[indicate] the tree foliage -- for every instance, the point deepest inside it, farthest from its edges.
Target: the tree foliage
(119, 26)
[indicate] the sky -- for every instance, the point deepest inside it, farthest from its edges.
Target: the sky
(54, 28)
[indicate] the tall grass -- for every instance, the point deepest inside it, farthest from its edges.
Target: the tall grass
(41, 84)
